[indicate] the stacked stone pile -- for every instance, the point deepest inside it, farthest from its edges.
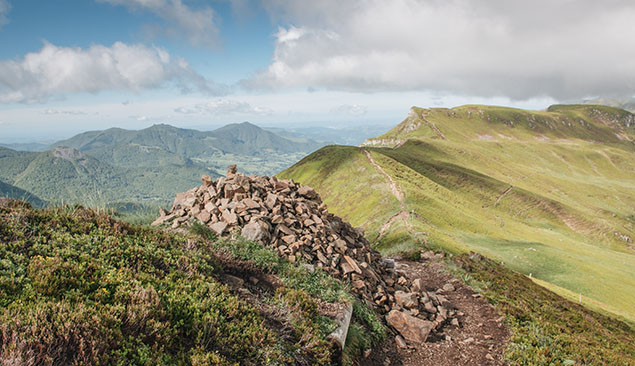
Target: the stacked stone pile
(293, 220)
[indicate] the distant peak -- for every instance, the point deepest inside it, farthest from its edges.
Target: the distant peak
(242, 125)
(246, 124)
(161, 125)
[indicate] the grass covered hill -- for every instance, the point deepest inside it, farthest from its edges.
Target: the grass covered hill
(549, 193)
(68, 175)
(160, 144)
(78, 287)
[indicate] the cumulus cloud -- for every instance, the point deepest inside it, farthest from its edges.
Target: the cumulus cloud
(4, 10)
(563, 49)
(196, 25)
(224, 107)
(351, 109)
(55, 71)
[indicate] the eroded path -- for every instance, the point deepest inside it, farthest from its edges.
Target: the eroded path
(404, 214)
(479, 338)
(393, 186)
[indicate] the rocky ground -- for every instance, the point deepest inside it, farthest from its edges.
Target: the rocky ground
(477, 336)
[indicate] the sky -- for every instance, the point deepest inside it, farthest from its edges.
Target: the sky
(68, 66)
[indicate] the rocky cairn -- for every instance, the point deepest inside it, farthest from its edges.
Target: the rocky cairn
(293, 220)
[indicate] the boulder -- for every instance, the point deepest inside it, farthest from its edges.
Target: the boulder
(413, 330)
(401, 343)
(406, 300)
(417, 286)
(207, 180)
(253, 231)
(219, 227)
(307, 192)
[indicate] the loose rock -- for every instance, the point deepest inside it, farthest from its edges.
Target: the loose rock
(293, 220)
(414, 330)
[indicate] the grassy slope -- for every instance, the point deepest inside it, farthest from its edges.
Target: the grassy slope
(547, 329)
(346, 173)
(570, 193)
(77, 287)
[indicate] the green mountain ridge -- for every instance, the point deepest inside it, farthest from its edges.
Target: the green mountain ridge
(594, 123)
(549, 193)
(165, 144)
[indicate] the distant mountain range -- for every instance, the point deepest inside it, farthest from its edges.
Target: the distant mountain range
(341, 135)
(165, 144)
(66, 175)
(29, 146)
(118, 166)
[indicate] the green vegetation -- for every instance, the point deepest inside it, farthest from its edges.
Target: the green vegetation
(349, 185)
(366, 329)
(78, 287)
(547, 329)
(548, 193)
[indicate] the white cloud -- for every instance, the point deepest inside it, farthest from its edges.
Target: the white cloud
(55, 71)
(224, 107)
(356, 110)
(544, 48)
(140, 118)
(51, 111)
(5, 7)
(195, 25)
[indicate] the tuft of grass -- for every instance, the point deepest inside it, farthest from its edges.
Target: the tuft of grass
(365, 332)
(316, 283)
(302, 313)
(203, 231)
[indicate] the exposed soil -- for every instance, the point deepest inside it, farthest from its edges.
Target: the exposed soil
(479, 339)
(393, 185)
(404, 214)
